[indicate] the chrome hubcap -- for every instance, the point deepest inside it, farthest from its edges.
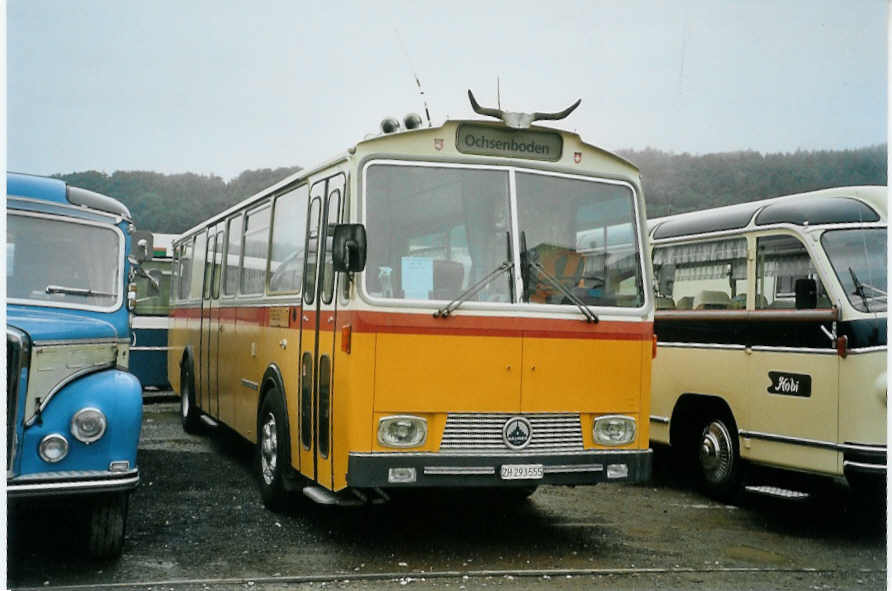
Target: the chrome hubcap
(268, 449)
(716, 452)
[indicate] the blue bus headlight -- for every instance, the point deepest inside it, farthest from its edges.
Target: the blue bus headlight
(53, 448)
(614, 430)
(402, 431)
(88, 425)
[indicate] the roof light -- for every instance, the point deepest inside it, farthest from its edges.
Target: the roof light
(412, 121)
(390, 125)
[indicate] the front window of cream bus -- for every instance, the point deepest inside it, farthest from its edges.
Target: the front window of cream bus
(437, 230)
(61, 263)
(858, 257)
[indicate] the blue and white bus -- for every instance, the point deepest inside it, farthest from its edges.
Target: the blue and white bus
(148, 347)
(73, 409)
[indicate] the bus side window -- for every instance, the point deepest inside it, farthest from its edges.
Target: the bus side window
(781, 260)
(233, 255)
(255, 250)
(153, 305)
(286, 257)
(701, 275)
(312, 248)
(197, 271)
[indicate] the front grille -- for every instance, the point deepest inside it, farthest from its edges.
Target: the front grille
(17, 351)
(482, 432)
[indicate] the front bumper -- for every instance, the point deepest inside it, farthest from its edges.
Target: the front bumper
(71, 483)
(365, 470)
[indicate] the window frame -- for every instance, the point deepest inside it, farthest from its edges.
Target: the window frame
(639, 228)
(255, 208)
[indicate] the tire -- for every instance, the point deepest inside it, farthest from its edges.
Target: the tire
(107, 520)
(190, 416)
(718, 459)
(273, 451)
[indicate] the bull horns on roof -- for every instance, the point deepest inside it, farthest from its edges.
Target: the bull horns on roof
(519, 120)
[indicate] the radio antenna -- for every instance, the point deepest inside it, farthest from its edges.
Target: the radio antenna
(415, 75)
(498, 93)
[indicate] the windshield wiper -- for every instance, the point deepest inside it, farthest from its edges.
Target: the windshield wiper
(78, 291)
(860, 287)
(527, 262)
(449, 308)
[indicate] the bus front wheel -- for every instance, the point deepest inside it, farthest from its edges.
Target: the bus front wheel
(273, 450)
(718, 458)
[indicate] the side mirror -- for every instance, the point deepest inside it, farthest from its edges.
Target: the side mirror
(142, 245)
(806, 294)
(348, 249)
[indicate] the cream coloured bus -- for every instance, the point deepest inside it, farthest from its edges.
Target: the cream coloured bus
(771, 328)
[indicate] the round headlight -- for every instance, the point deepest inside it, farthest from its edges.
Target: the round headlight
(88, 425)
(402, 431)
(53, 448)
(614, 430)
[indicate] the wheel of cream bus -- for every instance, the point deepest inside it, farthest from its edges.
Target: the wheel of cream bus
(273, 450)
(718, 458)
(190, 416)
(106, 524)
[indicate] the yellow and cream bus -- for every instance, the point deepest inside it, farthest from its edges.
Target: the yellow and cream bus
(771, 328)
(453, 306)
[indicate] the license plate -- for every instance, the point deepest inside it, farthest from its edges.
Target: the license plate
(522, 472)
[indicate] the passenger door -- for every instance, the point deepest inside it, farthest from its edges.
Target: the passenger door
(318, 325)
(794, 368)
(210, 324)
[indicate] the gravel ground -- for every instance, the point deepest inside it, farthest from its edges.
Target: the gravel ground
(197, 517)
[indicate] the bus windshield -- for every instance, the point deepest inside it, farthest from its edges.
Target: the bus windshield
(437, 230)
(582, 234)
(859, 260)
(440, 230)
(61, 262)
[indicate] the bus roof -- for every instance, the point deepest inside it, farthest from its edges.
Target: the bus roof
(420, 142)
(837, 205)
(56, 190)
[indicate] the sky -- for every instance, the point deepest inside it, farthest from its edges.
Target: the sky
(221, 86)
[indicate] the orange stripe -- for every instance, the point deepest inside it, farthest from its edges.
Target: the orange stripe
(426, 324)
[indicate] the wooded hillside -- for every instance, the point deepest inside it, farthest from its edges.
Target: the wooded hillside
(673, 183)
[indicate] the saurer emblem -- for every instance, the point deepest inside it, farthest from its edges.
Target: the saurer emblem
(517, 432)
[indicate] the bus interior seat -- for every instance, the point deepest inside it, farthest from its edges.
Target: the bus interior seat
(448, 279)
(685, 303)
(712, 300)
(665, 303)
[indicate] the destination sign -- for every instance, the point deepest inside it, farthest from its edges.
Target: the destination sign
(523, 143)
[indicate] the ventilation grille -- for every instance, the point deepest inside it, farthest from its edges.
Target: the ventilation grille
(552, 432)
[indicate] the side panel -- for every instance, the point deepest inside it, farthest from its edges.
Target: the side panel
(248, 340)
(679, 370)
(229, 386)
(148, 351)
(863, 398)
(792, 412)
